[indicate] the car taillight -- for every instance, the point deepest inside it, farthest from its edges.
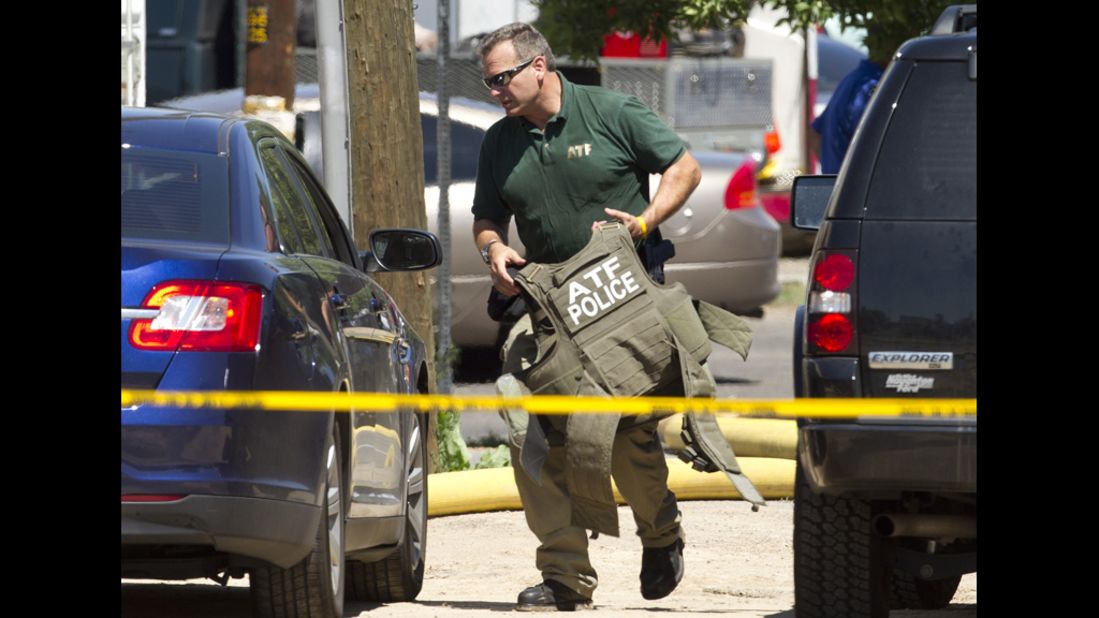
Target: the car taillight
(200, 316)
(741, 191)
(835, 272)
(771, 140)
(831, 326)
(832, 332)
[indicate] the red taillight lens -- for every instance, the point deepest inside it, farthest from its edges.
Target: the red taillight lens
(741, 192)
(200, 316)
(835, 272)
(772, 142)
(832, 302)
(832, 332)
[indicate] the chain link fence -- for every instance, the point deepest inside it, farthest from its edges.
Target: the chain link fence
(463, 74)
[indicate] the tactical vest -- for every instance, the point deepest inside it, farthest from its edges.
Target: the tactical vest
(604, 328)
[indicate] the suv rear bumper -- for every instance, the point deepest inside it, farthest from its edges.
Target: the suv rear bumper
(851, 457)
(275, 531)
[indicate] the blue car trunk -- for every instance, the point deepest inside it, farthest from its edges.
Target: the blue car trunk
(144, 266)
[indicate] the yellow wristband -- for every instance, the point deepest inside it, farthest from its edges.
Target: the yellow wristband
(644, 228)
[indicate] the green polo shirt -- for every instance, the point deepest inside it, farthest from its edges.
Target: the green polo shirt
(597, 152)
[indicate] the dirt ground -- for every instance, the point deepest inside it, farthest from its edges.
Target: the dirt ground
(738, 563)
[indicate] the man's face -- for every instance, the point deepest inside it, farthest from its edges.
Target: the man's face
(518, 95)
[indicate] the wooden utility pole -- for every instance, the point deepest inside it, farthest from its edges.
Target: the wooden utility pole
(272, 27)
(386, 150)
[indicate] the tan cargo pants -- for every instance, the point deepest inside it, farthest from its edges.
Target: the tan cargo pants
(637, 467)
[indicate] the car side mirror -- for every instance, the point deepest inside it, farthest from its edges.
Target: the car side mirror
(809, 200)
(401, 249)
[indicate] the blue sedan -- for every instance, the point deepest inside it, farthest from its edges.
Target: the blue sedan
(237, 274)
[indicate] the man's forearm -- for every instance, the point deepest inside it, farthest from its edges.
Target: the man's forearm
(500, 255)
(676, 185)
(486, 231)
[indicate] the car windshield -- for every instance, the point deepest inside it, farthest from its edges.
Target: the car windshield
(172, 195)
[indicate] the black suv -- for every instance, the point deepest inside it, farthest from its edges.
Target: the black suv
(885, 508)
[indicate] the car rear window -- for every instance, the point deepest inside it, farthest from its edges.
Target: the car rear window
(927, 165)
(169, 195)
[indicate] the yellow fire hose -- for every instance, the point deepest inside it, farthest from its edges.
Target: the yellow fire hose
(493, 489)
(749, 437)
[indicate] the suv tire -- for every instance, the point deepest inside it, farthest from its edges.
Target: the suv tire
(836, 557)
(910, 592)
(400, 576)
(315, 586)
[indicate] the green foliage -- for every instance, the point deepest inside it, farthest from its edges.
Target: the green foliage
(453, 454)
(888, 24)
(575, 28)
(499, 457)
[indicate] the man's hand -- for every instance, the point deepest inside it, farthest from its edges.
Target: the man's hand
(676, 185)
(500, 256)
(636, 228)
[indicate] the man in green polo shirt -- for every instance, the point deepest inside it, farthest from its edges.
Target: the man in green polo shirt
(566, 158)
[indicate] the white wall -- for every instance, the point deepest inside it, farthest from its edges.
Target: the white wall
(762, 39)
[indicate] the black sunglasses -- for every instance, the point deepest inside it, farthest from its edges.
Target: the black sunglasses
(503, 78)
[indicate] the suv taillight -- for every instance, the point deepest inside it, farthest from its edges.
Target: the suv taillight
(741, 190)
(831, 323)
(200, 316)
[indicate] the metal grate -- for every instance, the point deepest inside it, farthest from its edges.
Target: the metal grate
(718, 103)
(644, 79)
(305, 65)
(715, 92)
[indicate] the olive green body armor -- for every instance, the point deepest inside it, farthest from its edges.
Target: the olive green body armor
(604, 328)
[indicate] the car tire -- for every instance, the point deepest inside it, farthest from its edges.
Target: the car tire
(838, 565)
(315, 586)
(400, 576)
(910, 592)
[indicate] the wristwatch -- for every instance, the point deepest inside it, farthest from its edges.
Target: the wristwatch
(484, 250)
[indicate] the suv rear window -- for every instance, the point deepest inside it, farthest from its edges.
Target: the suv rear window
(170, 195)
(927, 166)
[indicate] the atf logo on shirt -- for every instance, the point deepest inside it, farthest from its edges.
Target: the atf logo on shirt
(599, 289)
(579, 150)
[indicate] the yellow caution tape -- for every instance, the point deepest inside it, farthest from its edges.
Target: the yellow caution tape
(549, 404)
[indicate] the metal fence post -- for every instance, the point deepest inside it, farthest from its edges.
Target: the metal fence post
(442, 133)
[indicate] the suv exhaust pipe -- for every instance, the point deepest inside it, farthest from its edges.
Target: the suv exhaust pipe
(932, 526)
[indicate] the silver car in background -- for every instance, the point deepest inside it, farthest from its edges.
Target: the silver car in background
(726, 246)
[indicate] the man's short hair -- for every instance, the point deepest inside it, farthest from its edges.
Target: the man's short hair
(527, 41)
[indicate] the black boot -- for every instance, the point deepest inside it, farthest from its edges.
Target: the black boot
(551, 595)
(661, 570)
